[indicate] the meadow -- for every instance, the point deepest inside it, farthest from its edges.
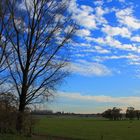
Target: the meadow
(76, 128)
(89, 128)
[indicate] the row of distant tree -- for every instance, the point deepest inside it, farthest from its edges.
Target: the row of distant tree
(115, 114)
(112, 114)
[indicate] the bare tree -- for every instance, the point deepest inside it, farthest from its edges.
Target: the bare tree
(4, 20)
(38, 35)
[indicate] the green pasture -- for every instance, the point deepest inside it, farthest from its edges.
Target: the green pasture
(89, 129)
(81, 129)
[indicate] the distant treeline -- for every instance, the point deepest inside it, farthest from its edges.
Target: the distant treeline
(115, 114)
(112, 114)
(59, 113)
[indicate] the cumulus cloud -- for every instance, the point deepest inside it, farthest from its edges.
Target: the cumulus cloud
(82, 15)
(111, 42)
(125, 17)
(87, 16)
(99, 35)
(99, 14)
(90, 69)
(101, 50)
(114, 31)
(83, 32)
(136, 38)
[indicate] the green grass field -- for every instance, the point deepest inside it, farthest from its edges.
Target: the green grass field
(82, 129)
(89, 129)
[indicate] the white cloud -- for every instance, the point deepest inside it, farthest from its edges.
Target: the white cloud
(74, 44)
(130, 57)
(82, 15)
(99, 40)
(100, 50)
(111, 42)
(100, 12)
(85, 19)
(125, 17)
(89, 48)
(125, 101)
(135, 63)
(114, 31)
(89, 69)
(83, 32)
(98, 2)
(79, 103)
(87, 8)
(87, 16)
(135, 38)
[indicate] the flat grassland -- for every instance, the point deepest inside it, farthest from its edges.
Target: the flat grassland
(77, 128)
(89, 128)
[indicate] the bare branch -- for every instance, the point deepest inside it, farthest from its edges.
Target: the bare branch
(38, 35)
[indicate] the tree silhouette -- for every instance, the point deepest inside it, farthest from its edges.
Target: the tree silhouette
(137, 112)
(38, 36)
(4, 53)
(130, 113)
(113, 114)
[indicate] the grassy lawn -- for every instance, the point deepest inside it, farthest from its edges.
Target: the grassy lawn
(82, 129)
(89, 129)
(13, 137)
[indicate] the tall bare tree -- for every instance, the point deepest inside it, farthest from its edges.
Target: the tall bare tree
(4, 20)
(38, 35)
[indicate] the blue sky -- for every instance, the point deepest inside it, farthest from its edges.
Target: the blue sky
(105, 56)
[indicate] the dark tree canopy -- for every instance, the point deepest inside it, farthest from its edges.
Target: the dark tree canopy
(113, 114)
(130, 113)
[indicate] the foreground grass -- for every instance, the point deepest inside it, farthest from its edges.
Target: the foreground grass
(82, 129)
(89, 129)
(17, 137)
(13, 137)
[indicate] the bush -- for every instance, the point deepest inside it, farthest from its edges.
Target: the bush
(9, 114)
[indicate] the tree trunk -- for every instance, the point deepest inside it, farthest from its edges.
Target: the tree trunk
(22, 104)
(20, 115)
